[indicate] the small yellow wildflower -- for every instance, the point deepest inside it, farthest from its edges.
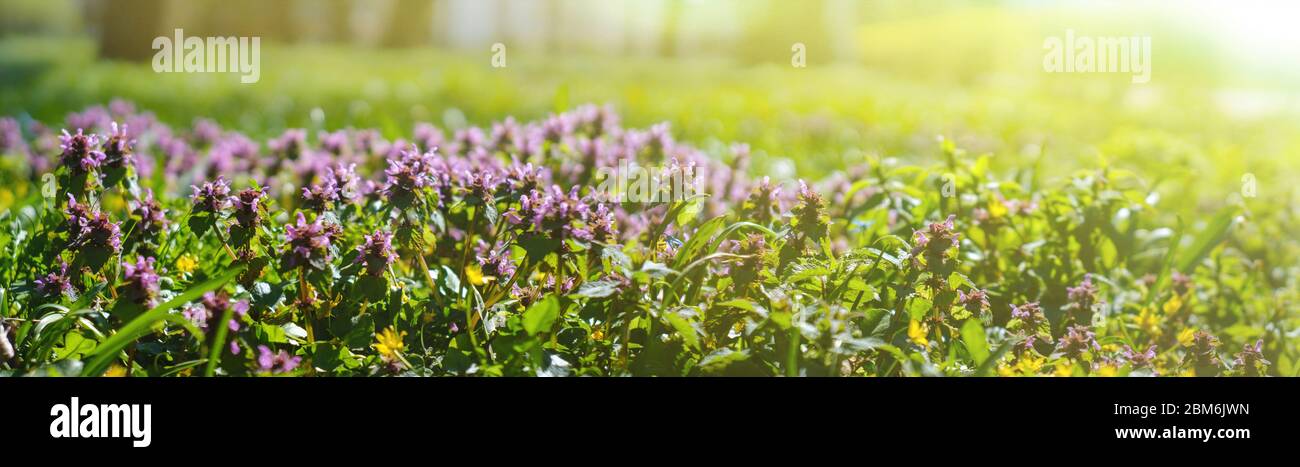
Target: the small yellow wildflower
(997, 209)
(597, 334)
(1107, 371)
(115, 371)
(475, 276)
(916, 332)
(1174, 304)
(186, 263)
(1186, 337)
(1149, 321)
(1029, 365)
(1064, 369)
(389, 342)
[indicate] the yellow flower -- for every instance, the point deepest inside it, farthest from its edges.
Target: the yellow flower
(475, 275)
(1186, 337)
(997, 209)
(1029, 365)
(1149, 321)
(115, 371)
(389, 342)
(1026, 365)
(1107, 370)
(597, 334)
(916, 332)
(186, 263)
(1064, 369)
(1175, 302)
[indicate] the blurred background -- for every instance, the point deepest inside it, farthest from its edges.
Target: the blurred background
(883, 78)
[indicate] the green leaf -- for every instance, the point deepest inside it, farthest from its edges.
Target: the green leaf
(542, 315)
(918, 308)
(972, 334)
(690, 209)
(684, 328)
(597, 289)
(1214, 233)
(701, 238)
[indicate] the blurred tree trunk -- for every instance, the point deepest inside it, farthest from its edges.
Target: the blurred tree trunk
(439, 23)
(501, 23)
(672, 25)
(410, 24)
(128, 27)
(554, 12)
(270, 20)
(340, 20)
(777, 25)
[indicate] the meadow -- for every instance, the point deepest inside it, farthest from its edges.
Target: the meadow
(436, 216)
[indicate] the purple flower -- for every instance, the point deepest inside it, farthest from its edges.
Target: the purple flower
(309, 244)
(552, 213)
(276, 362)
(1029, 314)
(247, 207)
(481, 186)
(1084, 296)
(407, 175)
(141, 281)
(205, 132)
(1203, 351)
(153, 218)
(377, 252)
(934, 242)
(810, 213)
(497, 262)
(11, 137)
(1250, 361)
(289, 145)
(602, 225)
(976, 301)
(55, 283)
(117, 149)
(335, 143)
(97, 231)
(213, 197)
(207, 314)
(428, 137)
(79, 152)
(321, 196)
(762, 201)
(1140, 359)
(1077, 340)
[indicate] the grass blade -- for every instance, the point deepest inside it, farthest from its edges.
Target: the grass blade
(107, 351)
